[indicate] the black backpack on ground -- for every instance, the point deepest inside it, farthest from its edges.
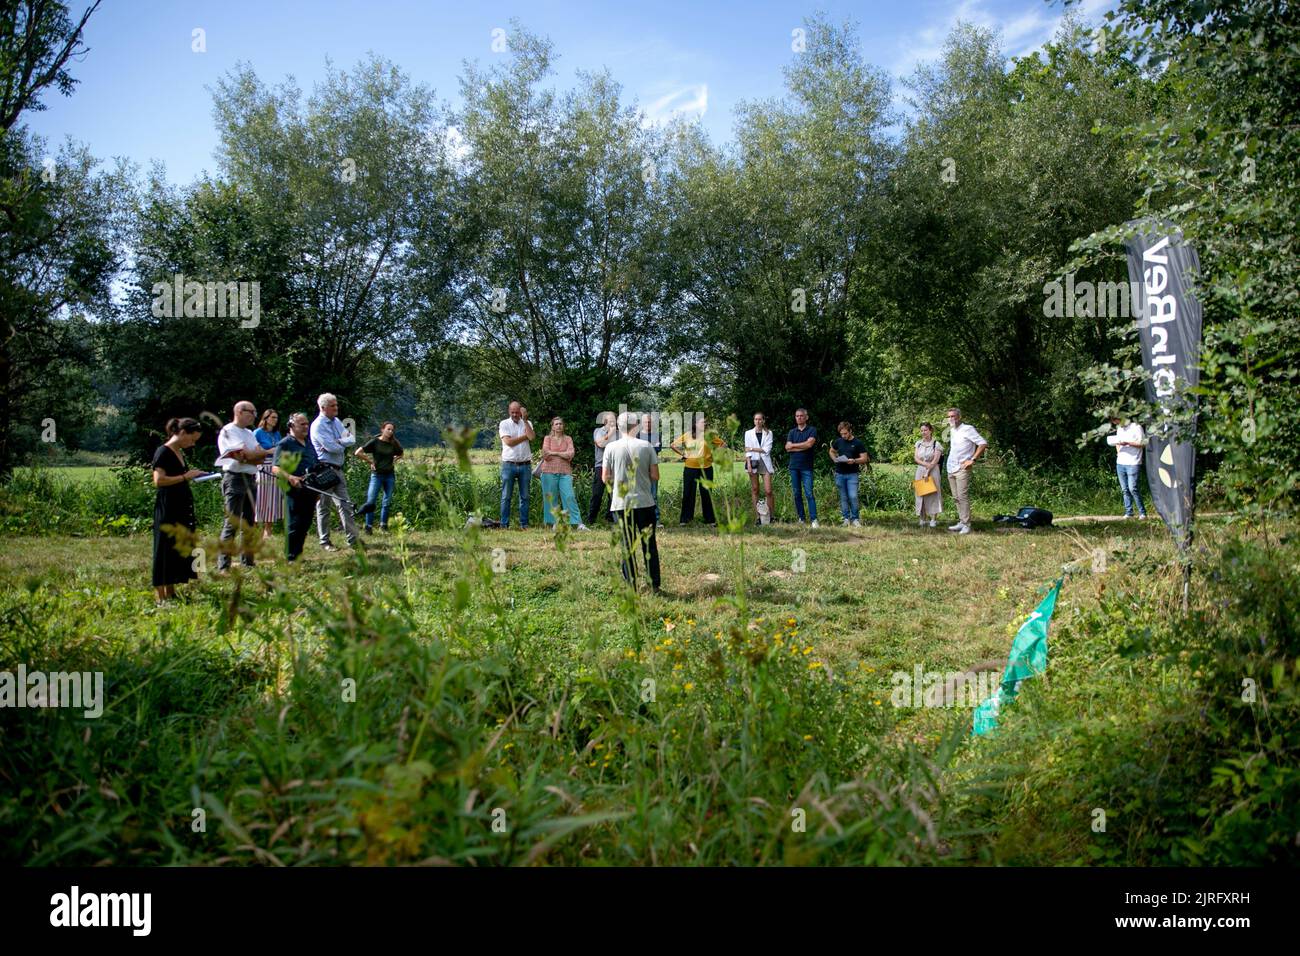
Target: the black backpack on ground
(1027, 517)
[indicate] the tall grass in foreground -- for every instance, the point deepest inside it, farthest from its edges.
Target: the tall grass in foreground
(289, 716)
(285, 719)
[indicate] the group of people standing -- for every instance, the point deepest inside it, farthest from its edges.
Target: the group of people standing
(310, 459)
(626, 459)
(627, 468)
(848, 455)
(696, 448)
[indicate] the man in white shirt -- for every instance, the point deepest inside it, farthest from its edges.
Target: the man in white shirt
(758, 462)
(516, 432)
(1129, 440)
(631, 468)
(965, 445)
(332, 441)
(239, 454)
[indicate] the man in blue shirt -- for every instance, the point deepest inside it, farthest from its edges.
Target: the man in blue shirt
(331, 441)
(800, 443)
(300, 502)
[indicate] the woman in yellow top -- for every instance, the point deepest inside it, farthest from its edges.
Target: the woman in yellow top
(697, 449)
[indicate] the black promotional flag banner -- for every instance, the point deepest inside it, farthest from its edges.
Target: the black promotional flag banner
(1160, 267)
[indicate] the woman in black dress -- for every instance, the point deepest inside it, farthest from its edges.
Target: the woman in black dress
(174, 506)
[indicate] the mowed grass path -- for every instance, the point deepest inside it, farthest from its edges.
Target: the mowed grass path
(867, 601)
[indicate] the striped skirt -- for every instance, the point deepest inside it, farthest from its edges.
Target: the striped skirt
(270, 500)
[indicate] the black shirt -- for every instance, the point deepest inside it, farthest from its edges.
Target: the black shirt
(384, 452)
(853, 448)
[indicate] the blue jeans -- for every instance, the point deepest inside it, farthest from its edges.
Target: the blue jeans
(379, 482)
(654, 492)
(511, 472)
(557, 492)
(847, 485)
(804, 477)
(1129, 487)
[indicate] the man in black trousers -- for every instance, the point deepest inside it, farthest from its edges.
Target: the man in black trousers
(606, 433)
(631, 468)
(300, 503)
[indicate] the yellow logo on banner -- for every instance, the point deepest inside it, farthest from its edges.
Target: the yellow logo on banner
(1167, 458)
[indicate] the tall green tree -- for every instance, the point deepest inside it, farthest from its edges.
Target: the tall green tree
(57, 243)
(777, 232)
(1224, 166)
(567, 288)
(320, 201)
(1003, 168)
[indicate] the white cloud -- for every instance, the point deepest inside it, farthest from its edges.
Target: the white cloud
(1022, 32)
(691, 101)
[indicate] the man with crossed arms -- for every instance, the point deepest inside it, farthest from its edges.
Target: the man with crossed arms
(965, 445)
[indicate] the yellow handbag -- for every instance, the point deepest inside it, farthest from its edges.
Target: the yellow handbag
(924, 486)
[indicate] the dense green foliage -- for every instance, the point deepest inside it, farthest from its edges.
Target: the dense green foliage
(553, 248)
(1225, 166)
(452, 696)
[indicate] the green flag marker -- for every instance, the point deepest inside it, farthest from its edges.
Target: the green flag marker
(1028, 657)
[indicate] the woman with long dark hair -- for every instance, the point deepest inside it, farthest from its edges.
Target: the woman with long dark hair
(173, 510)
(269, 507)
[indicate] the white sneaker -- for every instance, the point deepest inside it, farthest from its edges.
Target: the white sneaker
(965, 529)
(844, 522)
(857, 523)
(582, 527)
(956, 527)
(815, 524)
(920, 523)
(931, 522)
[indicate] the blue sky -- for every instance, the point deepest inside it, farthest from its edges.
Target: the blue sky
(145, 95)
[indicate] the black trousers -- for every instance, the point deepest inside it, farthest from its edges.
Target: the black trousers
(299, 512)
(639, 524)
(690, 478)
(239, 491)
(598, 496)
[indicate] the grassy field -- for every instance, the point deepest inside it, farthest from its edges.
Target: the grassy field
(79, 473)
(510, 663)
(884, 595)
(446, 694)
